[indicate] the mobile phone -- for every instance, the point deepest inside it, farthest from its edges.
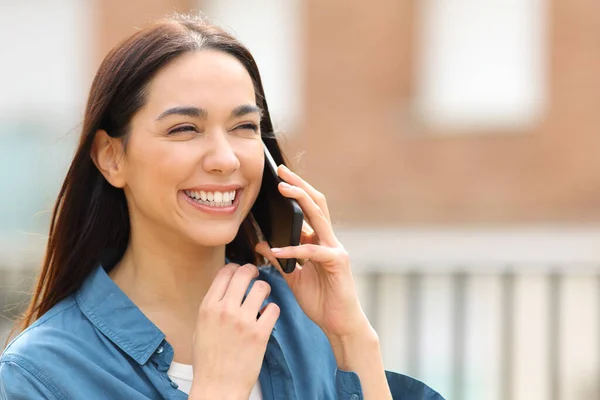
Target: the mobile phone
(278, 217)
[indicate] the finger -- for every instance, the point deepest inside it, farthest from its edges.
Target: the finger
(317, 219)
(308, 236)
(294, 179)
(239, 284)
(320, 254)
(217, 289)
(258, 293)
(307, 229)
(264, 250)
(269, 317)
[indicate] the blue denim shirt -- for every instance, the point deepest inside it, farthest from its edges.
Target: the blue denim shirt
(97, 344)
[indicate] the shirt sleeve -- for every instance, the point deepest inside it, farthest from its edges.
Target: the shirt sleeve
(21, 381)
(406, 388)
(348, 387)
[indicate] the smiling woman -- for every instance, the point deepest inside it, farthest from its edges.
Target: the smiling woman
(141, 293)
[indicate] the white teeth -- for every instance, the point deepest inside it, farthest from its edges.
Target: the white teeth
(213, 199)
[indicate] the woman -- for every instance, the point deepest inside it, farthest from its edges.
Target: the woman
(135, 299)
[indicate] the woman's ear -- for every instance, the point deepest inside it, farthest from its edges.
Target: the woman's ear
(108, 156)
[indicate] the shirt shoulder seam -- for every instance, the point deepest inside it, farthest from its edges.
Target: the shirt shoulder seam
(39, 322)
(35, 372)
(140, 356)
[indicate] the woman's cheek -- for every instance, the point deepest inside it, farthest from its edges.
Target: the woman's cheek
(157, 171)
(171, 161)
(252, 157)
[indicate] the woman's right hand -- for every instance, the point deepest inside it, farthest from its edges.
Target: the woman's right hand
(229, 341)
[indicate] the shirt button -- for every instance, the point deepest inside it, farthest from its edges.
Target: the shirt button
(354, 397)
(174, 385)
(159, 350)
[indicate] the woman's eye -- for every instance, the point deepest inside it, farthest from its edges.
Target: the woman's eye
(184, 128)
(252, 127)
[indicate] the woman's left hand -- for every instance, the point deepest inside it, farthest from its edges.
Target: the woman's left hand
(323, 286)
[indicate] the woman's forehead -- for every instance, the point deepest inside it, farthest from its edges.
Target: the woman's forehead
(205, 79)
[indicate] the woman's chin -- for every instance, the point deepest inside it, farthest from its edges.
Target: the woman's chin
(214, 237)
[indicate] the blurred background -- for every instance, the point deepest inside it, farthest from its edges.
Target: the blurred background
(457, 141)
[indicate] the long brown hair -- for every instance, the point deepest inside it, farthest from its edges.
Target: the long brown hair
(90, 216)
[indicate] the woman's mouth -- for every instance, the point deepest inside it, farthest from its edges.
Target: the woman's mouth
(212, 199)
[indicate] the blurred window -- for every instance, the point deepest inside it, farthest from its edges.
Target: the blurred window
(44, 46)
(481, 64)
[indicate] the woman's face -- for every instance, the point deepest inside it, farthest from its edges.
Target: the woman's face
(194, 158)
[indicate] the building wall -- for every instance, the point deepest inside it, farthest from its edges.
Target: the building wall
(379, 166)
(116, 19)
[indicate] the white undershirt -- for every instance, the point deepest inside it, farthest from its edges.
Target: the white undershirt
(183, 375)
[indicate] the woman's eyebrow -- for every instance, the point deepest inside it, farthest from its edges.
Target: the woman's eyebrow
(245, 109)
(183, 110)
(196, 112)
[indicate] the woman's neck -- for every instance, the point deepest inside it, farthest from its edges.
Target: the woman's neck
(167, 275)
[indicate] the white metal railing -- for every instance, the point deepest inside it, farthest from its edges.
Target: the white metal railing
(488, 315)
(506, 314)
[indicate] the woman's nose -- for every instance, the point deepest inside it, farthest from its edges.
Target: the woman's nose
(221, 157)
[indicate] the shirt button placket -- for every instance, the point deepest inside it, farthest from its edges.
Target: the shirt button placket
(159, 359)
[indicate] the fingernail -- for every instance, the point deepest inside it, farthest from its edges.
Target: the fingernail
(275, 250)
(284, 167)
(286, 185)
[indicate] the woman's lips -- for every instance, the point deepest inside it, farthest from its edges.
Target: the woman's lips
(214, 209)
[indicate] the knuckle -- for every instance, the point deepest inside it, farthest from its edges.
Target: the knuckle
(256, 335)
(262, 286)
(204, 311)
(248, 270)
(319, 196)
(275, 309)
(240, 325)
(229, 269)
(343, 255)
(227, 314)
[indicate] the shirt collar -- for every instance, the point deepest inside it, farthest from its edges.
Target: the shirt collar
(113, 313)
(117, 317)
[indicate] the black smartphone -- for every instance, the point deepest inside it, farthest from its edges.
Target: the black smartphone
(278, 217)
